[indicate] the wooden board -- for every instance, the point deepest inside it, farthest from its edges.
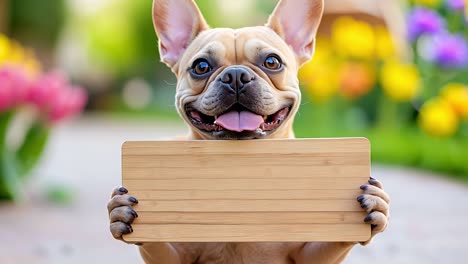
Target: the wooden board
(247, 191)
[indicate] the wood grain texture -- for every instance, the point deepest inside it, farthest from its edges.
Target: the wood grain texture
(247, 194)
(249, 205)
(249, 218)
(247, 191)
(330, 183)
(249, 233)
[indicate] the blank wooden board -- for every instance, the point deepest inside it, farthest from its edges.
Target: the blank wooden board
(247, 191)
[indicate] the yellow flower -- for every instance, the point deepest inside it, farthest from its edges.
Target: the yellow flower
(353, 38)
(429, 3)
(457, 95)
(16, 53)
(319, 77)
(13, 53)
(321, 82)
(401, 82)
(4, 48)
(322, 52)
(385, 46)
(437, 118)
(357, 79)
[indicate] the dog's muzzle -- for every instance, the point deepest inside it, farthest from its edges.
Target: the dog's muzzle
(236, 79)
(236, 100)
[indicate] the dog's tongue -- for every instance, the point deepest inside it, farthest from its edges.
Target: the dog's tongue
(240, 121)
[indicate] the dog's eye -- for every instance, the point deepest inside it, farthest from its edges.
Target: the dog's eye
(201, 67)
(273, 63)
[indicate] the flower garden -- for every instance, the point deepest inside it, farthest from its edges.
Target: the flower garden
(38, 101)
(411, 100)
(414, 108)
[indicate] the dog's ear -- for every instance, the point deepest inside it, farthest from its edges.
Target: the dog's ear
(297, 22)
(177, 23)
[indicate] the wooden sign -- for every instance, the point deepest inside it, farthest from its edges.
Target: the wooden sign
(247, 191)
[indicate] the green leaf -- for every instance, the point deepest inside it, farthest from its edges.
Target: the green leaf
(10, 183)
(60, 194)
(5, 119)
(30, 152)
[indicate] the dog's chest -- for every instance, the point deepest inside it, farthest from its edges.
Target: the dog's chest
(239, 253)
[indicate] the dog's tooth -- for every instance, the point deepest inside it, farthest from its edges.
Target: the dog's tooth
(265, 117)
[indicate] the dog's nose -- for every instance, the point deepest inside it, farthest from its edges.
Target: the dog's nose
(237, 78)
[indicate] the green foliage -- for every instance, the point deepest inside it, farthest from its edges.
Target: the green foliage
(402, 145)
(15, 164)
(59, 194)
(31, 150)
(122, 38)
(38, 22)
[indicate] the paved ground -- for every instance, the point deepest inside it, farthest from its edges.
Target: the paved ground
(428, 225)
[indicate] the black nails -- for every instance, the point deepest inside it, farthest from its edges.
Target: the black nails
(134, 213)
(372, 178)
(123, 190)
(373, 226)
(133, 200)
(368, 218)
(360, 198)
(373, 181)
(363, 206)
(128, 229)
(363, 187)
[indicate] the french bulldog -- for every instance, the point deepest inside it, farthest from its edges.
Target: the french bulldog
(240, 84)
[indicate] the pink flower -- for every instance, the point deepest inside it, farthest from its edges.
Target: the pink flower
(56, 98)
(46, 90)
(13, 87)
(69, 102)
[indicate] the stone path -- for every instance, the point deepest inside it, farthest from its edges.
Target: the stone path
(428, 225)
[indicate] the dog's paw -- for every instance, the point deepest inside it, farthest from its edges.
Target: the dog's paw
(376, 202)
(121, 213)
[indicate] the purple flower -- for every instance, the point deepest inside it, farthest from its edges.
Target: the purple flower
(447, 50)
(457, 5)
(424, 21)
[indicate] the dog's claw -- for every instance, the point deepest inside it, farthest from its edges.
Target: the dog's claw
(134, 213)
(376, 202)
(360, 198)
(121, 213)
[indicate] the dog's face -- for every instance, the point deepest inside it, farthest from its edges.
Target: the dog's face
(237, 83)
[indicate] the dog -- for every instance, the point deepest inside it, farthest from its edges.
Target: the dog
(238, 84)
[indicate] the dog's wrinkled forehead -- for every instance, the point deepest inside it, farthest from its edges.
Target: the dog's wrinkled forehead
(244, 46)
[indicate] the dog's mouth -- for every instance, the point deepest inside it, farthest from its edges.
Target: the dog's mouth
(239, 120)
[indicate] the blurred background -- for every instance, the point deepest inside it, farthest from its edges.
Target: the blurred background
(78, 77)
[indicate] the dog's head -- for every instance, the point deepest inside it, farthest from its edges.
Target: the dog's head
(237, 83)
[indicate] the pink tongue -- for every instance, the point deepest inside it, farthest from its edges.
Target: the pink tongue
(240, 121)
